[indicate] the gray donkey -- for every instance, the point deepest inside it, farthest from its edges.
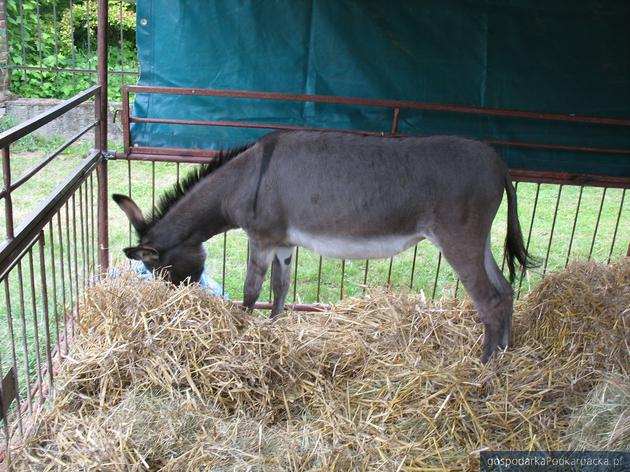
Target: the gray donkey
(342, 195)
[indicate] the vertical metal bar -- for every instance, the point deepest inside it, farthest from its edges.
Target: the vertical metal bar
(129, 193)
(69, 254)
(101, 136)
(319, 279)
(5, 421)
(103, 237)
(223, 271)
(575, 219)
(295, 273)
(125, 120)
(343, 273)
(437, 274)
(24, 338)
(389, 271)
(76, 253)
(365, 275)
(599, 214)
(122, 49)
(55, 41)
(35, 324)
(529, 236)
(44, 282)
(86, 223)
(177, 172)
(63, 284)
(73, 48)
(395, 121)
(39, 42)
(11, 335)
(612, 244)
(153, 189)
(22, 33)
(413, 266)
(8, 203)
(553, 226)
(87, 28)
(93, 226)
(54, 280)
(82, 233)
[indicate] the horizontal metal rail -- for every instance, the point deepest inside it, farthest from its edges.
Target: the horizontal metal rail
(47, 159)
(565, 178)
(21, 130)
(72, 70)
(245, 124)
(379, 103)
(202, 156)
(149, 153)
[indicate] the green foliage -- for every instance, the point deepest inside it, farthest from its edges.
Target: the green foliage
(55, 36)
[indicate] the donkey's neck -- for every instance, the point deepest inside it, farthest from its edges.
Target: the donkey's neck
(195, 218)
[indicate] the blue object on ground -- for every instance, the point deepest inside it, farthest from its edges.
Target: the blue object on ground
(206, 281)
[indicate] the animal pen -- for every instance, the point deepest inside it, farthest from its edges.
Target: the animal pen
(50, 258)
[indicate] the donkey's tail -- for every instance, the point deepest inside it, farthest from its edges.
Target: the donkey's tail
(514, 247)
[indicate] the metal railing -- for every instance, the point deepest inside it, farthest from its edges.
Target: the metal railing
(46, 261)
(552, 206)
(54, 43)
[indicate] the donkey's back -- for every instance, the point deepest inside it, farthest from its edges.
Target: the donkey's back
(341, 185)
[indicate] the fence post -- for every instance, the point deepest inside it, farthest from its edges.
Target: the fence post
(101, 137)
(4, 57)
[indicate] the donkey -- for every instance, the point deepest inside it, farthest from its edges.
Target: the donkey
(342, 195)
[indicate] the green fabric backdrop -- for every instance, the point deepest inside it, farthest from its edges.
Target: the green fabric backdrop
(538, 55)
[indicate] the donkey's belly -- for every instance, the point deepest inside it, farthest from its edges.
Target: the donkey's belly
(352, 247)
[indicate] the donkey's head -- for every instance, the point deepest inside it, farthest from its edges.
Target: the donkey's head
(180, 263)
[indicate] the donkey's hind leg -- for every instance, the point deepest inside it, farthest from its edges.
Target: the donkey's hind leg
(505, 289)
(467, 255)
(280, 278)
(259, 260)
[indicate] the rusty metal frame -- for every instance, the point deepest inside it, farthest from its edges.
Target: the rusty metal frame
(24, 250)
(147, 153)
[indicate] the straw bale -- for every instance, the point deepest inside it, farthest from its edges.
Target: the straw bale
(174, 379)
(603, 421)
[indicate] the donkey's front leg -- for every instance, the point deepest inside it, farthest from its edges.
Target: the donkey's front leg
(280, 278)
(259, 260)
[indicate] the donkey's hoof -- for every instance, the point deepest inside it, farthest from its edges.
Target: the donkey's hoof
(488, 354)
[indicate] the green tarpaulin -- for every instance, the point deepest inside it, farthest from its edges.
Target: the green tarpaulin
(547, 55)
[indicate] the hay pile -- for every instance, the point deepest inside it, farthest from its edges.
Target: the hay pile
(166, 379)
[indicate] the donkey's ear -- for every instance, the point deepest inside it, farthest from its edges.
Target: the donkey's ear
(132, 211)
(142, 253)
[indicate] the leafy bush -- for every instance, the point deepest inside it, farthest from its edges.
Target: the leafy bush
(54, 36)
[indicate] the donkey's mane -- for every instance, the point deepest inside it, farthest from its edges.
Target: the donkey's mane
(171, 196)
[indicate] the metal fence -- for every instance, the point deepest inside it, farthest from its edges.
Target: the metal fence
(554, 207)
(49, 257)
(53, 46)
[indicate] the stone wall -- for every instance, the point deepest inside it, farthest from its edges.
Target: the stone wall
(22, 109)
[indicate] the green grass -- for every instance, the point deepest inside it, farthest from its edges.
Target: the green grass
(141, 178)
(426, 259)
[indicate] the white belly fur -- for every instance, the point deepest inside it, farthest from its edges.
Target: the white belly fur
(355, 248)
